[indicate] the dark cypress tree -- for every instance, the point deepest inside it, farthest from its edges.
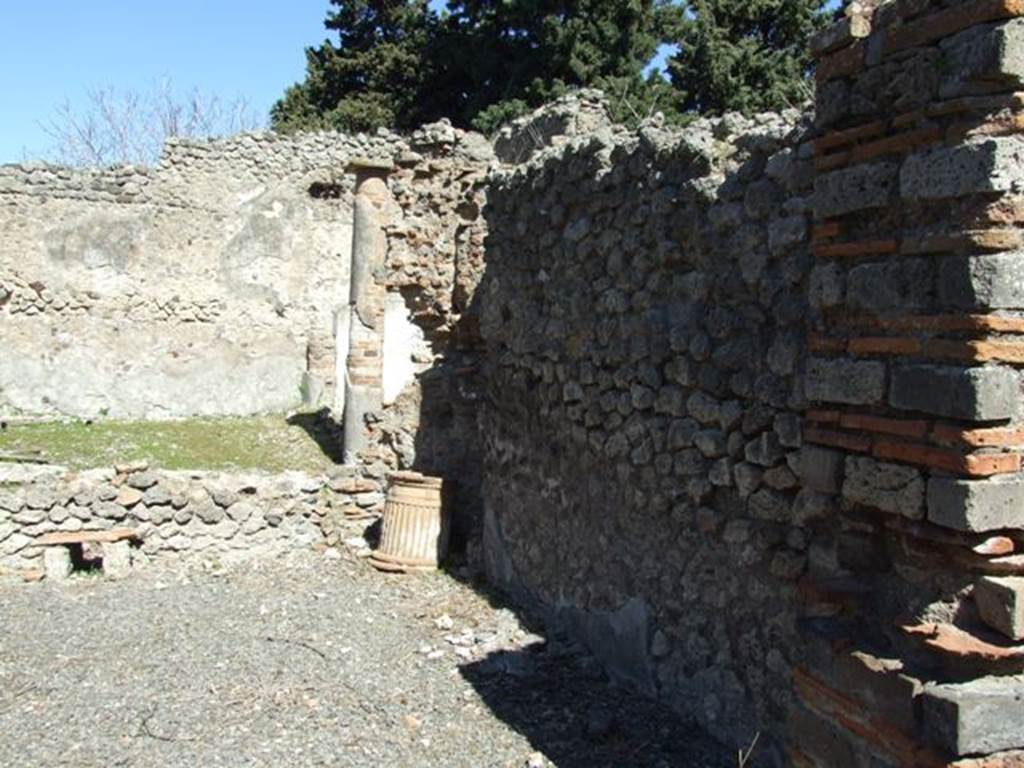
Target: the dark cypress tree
(746, 55)
(373, 76)
(397, 63)
(538, 49)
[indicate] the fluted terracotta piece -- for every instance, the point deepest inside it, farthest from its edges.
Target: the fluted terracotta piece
(416, 525)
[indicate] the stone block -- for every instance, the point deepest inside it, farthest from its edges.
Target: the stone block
(975, 718)
(976, 505)
(855, 382)
(840, 34)
(117, 559)
(854, 189)
(821, 469)
(989, 53)
(890, 487)
(1000, 602)
(785, 233)
(903, 284)
(972, 394)
(57, 563)
(992, 165)
(990, 281)
(826, 286)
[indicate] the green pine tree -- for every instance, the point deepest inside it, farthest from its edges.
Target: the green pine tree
(397, 63)
(373, 76)
(745, 55)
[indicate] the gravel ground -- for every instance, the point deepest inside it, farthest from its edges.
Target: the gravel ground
(307, 660)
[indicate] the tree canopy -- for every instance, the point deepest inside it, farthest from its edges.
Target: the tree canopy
(400, 63)
(745, 55)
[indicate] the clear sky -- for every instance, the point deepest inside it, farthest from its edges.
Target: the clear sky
(57, 49)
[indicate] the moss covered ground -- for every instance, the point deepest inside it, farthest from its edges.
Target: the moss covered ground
(274, 443)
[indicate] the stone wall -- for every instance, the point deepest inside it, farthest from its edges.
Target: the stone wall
(209, 285)
(913, 430)
(739, 402)
(644, 303)
(172, 514)
(752, 425)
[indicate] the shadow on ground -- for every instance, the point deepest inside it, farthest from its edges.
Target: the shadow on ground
(322, 430)
(558, 698)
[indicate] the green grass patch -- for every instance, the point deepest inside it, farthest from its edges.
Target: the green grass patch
(273, 443)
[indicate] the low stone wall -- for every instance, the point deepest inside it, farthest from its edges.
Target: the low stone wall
(175, 513)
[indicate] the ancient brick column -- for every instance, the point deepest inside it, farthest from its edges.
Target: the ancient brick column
(364, 367)
(915, 434)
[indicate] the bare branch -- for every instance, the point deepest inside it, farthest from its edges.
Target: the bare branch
(118, 127)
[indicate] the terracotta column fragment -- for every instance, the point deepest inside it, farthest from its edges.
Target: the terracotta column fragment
(364, 366)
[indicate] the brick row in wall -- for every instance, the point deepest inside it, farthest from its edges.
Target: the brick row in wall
(914, 382)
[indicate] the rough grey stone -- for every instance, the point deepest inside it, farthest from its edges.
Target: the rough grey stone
(765, 451)
(984, 281)
(711, 442)
(975, 718)
(853, 189)
(117, 559)
(976, 505)
(902, 284)
(973, 394)
(143, 480)
(992, 165)
(748, 478)
(780, 478)
(787, 427)
(890, 487)
(720, 473)
(855, 382)
(990, 53)
(210, 514)
(156, 496)
(30, 516)
(57, 563)
(703, 407)
(767, 504)
(1000, 603)
(812, 505)
(826, 286)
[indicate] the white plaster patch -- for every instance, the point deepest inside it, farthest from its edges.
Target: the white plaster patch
(402, 339)
(342, 321)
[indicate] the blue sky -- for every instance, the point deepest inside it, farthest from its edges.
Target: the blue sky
(58, 49)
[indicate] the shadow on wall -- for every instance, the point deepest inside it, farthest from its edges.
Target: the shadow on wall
(636, 393)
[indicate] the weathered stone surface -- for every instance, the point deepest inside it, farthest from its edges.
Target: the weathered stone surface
(855, 382)
(821, 469)
(890, 487)
(974, 394)
(987, 53)
(984, 281)
(117, 559)
(903, 285)
(57, 563)
(1000, 603)
(854, 189)
(979, 717)
(991, 165)
(976, 505)
(128, 497)
(142, 480)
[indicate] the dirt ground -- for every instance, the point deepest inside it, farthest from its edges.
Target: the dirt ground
(309, 660)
